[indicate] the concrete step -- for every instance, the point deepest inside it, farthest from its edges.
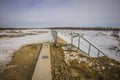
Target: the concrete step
(43, 67)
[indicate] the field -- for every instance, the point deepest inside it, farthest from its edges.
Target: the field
(20, 49)
(104, 40)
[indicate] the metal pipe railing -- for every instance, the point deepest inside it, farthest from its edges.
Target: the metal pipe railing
(54, 34)
(90, 44)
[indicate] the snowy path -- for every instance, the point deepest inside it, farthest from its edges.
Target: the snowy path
(43, 67)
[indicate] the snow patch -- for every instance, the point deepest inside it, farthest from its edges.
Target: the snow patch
(10, 45)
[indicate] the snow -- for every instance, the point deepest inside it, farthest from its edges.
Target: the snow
(9, 45)
(101, 39)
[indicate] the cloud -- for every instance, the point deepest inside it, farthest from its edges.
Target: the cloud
(63, 12)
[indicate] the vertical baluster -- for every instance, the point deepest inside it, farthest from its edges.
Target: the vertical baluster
(55, 38)
(78, 41)
(71, 39)
(89, 49)
(98, 53)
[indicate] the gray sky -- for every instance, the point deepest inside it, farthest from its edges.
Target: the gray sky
(44, 13)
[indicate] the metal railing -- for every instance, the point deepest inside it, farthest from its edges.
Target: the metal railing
(89, 43)
(79, 43)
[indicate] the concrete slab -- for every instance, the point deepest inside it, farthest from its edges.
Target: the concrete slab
(43, 67)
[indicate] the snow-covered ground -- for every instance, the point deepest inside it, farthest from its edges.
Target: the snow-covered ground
(12, 40)
(101, 39)
(10, 43)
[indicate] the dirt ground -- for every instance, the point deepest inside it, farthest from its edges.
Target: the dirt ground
(89, 68)
(59, 68)
(23, 63)
(101, 68)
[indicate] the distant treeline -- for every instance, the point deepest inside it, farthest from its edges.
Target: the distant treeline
(18, 28)
(10, 28)
(71, 28)
(88, 28)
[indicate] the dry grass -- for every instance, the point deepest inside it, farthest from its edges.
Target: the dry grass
(101, 68)
(23, 63)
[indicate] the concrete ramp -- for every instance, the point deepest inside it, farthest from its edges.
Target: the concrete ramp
(43, 67)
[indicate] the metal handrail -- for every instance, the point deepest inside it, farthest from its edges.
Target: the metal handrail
(90, 44)
(79, 36)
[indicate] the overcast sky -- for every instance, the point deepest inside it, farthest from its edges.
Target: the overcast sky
(44, 13)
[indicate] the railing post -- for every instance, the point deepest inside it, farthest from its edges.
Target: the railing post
(71, 39)
(78, 41)
(98, 53)
(89, 49)
(54, 34)
(56, 39)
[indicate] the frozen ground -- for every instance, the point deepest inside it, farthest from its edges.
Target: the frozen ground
(101, 39)
(12, 40)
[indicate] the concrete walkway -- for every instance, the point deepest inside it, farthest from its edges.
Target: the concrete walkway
(43, 67)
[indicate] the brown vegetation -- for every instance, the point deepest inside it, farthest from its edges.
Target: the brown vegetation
(23, 63)
(84, 68)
